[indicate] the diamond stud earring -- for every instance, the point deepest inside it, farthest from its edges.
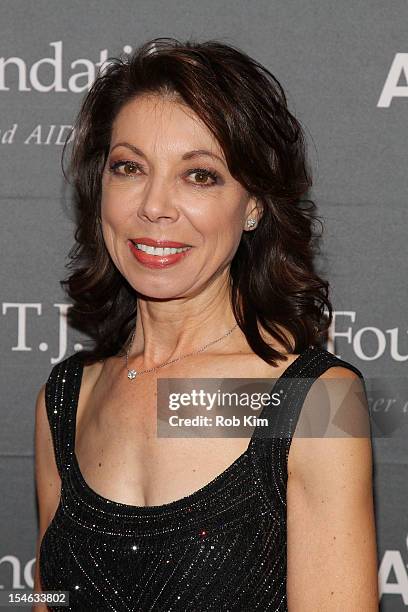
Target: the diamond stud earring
(251, 222)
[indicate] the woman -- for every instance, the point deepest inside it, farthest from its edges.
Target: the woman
(194, 259)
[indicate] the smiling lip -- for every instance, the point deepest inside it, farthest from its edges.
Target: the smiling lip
(158, 261)
(160, 243)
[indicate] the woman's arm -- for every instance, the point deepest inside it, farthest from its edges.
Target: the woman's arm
(332, 551)
(48, 481)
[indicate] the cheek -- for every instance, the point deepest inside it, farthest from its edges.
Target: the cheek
(227, 222)
(108, 238)
(223, 233)
(111, 211)
(219, 214)
(111, 223)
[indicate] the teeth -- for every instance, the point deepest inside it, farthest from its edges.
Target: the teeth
(159, 250)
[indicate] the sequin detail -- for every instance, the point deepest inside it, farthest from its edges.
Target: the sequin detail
(221, 548)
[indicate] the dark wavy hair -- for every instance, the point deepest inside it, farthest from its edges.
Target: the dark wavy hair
(272, 277)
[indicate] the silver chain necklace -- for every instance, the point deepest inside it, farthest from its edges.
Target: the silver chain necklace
(132, 373)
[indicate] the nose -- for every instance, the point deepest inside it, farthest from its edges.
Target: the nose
(158, 203)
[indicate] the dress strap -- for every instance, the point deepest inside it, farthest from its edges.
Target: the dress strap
(61, 394)
(272, 443)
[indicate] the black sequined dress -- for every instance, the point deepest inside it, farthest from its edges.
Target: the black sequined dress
(221, 548)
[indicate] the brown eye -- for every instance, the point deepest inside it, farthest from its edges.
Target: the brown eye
(203, 177)
(129, 168)
(124, 168)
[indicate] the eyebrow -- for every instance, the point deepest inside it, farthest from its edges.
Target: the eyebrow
(188, 155)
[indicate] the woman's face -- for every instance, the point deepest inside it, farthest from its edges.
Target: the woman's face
(157, 185)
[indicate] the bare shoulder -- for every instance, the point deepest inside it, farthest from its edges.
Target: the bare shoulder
(338, 398)
(339, 372)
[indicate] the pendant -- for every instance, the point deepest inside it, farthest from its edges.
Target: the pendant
(132, 374)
